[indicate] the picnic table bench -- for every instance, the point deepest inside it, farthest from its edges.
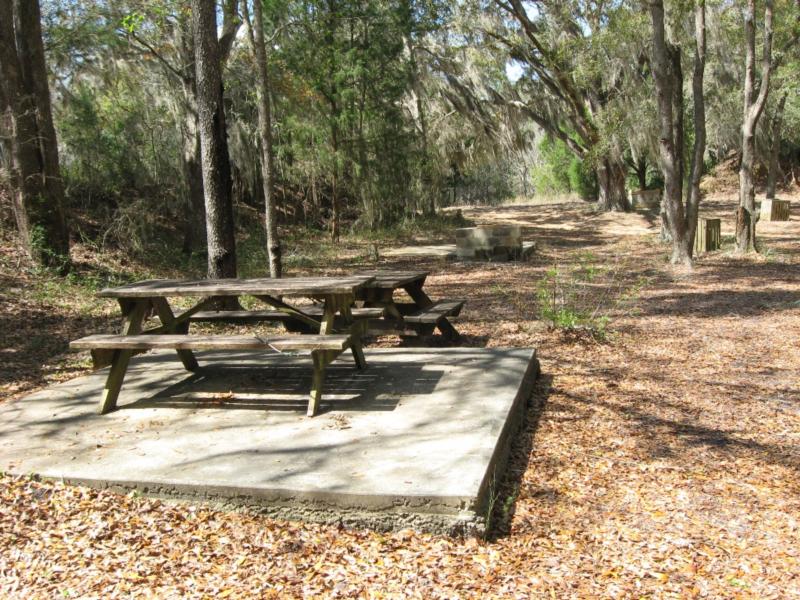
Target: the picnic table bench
(333, 319)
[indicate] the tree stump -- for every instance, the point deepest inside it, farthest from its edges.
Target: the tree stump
(775, 210)
(707, 238)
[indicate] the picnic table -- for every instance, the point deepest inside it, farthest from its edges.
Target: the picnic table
(333, 319)
(374, 305)
(420, 316)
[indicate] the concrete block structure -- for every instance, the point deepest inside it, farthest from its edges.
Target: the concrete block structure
(489, 242)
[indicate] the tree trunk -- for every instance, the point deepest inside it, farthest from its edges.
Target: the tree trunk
(668, 79)
(679, 223)
(265, 133)
(194, 232)
(213, 143)
(38, 189)
(699, 114)
(641, 172)
(746, 226)
(775, 147)
(611, 175)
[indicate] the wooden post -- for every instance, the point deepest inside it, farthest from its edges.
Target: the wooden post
(774, 210)
(707, 237)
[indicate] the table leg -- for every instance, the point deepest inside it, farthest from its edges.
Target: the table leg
(328, 316)
(321, 358)
(135, 313)
(355, 344)
(168, 319)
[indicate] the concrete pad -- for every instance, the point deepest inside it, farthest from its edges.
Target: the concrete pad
(415, 440)
(442, 251)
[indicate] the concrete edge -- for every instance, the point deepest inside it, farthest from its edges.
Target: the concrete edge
(513, 423)
(428, 515)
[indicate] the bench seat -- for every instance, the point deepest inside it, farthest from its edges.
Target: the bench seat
(211, 342)
(250, 316)
(434, 313)
(116, 350)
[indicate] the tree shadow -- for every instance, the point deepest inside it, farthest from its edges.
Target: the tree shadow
(719, 303)
(286, 388)
(33, 338)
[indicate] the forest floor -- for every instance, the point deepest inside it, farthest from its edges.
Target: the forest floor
(660, 456)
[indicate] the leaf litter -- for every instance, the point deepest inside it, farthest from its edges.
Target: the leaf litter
(663, 462)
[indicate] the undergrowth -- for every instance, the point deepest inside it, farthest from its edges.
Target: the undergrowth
(585, 297)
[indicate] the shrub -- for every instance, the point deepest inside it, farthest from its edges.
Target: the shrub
(582, 179)
(582, 297)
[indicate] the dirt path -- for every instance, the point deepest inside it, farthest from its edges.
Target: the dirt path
(664, 462)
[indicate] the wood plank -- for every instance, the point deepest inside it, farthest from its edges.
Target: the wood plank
(212, 342)
(248, 316)
(356, 313)
(290, 287)
(240, 316)
(437, 311)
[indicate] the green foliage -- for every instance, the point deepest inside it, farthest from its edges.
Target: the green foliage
(582, 179)
(116, 141)
(551, 175)
(583, 297)
(561, 172)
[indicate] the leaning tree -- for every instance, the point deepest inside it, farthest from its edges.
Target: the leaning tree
(573, 78)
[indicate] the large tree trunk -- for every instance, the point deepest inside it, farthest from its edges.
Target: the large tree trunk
(746, 225)
(668, 81)
(679, 223)
(611, 176)
(265, 133)
(775, 147)
(36, 179)
(213, 143)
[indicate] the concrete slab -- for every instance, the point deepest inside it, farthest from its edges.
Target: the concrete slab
(415, 440)
(441, 251)
(430, 250)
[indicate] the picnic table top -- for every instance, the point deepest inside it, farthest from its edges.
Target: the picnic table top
(290, 286)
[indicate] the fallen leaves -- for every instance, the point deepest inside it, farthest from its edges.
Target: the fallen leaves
(665, 463)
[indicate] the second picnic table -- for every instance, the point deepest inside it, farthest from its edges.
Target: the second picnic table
(420, 316)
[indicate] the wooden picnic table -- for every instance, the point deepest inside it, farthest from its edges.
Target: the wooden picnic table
(337, 330)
